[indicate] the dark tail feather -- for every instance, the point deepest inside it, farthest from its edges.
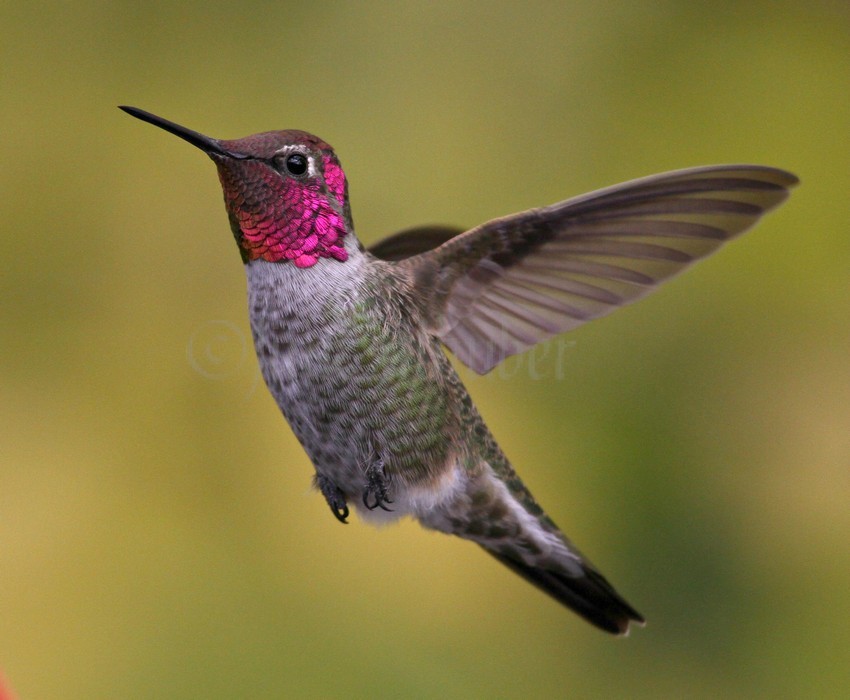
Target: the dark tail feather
(589, 595)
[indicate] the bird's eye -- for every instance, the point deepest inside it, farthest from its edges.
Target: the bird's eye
(295, 164)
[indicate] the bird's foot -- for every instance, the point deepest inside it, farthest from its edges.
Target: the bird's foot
(334, 496)
(377, 487)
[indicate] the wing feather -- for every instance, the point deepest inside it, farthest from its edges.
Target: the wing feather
(502, 287)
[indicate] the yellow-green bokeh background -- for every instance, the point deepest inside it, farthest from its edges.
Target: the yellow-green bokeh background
(158, 538)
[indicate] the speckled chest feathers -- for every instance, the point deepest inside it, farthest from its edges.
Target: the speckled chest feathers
(356, 378)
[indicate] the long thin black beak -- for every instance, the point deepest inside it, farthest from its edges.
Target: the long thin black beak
(205, 143)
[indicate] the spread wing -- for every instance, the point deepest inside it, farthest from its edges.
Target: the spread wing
(506, 285)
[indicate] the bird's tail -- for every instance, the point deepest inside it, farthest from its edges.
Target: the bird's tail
(509, 524)
(497, 512)
(586, 593)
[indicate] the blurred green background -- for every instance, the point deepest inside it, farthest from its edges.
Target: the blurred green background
(158, 537)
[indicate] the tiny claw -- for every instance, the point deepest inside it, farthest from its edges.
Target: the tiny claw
(340, 513)
(377, 484)
(379, 501)
(334, 496)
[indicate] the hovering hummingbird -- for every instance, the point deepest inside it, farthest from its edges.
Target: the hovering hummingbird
(350, 340)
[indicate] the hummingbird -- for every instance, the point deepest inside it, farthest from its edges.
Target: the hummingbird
(351, 340)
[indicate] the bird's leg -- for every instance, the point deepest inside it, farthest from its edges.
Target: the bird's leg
(377, 485)
(334, 496)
